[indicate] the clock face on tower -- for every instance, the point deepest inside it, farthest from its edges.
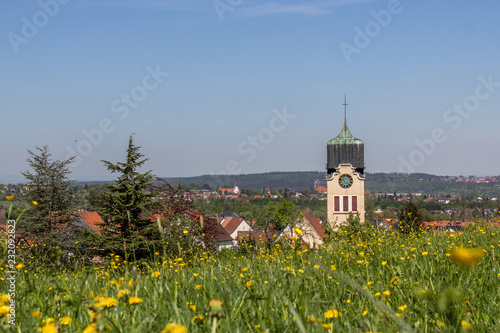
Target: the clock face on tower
(345, 181)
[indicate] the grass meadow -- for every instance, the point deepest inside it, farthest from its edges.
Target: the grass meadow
(425, 283)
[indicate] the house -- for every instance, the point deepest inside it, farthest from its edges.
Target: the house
(311, 230)
(233, 225)
(234, 190)
(321, 189)
(90, 220)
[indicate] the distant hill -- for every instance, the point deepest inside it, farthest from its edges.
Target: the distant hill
(299, 180)
(376, 182)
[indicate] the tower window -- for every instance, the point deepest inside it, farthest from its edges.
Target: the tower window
(336, 203)
(354, 204)
(346, 203)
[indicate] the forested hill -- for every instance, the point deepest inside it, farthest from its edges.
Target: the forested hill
(376, 182)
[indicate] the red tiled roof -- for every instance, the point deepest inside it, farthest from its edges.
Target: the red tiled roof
(321, 189)
(92, 219)
(231, 223)
(314, 222)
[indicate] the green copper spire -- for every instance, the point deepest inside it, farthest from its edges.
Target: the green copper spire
(345, 134)
(345, 149)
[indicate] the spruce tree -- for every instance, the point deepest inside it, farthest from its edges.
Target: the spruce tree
(124, 204)
(46, 224)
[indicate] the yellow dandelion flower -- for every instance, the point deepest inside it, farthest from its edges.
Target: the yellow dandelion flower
(394, 280)
(35, 203)
(155, 274)
(90, 328)
(19, 266)
(402, 308)
(36, 314)
(425, 253)
(384, 263)
(298, 231)
(4, 310)
(467, 325)
(244, 270)
(4, 299)
(174, 328)
(49, 328)
(311, 319)
(326, 326)
(365, 312)
(107, 302)
(333, 313)
(192, 306)
(378, 294)
(122, 293)
(66, 320)
(134, 300)
(10, 197)
(185, 232)
(466, 257)
(199, 287)
(387, 293)
(199, 317)
(248, 284)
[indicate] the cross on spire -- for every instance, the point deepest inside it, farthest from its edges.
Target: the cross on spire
(345, 109)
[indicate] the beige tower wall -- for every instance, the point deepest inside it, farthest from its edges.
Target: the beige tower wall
(336, 218)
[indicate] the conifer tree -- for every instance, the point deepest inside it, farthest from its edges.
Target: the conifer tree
(124, 203)
(46, 224)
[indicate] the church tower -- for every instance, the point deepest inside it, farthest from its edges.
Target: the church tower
(345, 168)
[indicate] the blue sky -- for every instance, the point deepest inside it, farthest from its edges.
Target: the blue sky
(241, 86)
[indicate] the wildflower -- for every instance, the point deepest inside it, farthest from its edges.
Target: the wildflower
(248, 284)
(35, 203)
(311, 319)
(365, 312)
(66, 320)
(155, 274)
(199, 317)
(49, 328)
(192, 306)
(174, 328)
(244, 270)
(19, 266)
(4, 299)
(215, 305)
(402, 308)
(90, 328)
(387, 293)
(122, 293)
(4, 310)
(466, 257)
(298, 231)
(333, 313)
(134, 300)
(384, 263)
(378, 295)
(185, 232)
(199, 287)
(10, 197)
(425, 253)
(467, 325)
(36, 314)
(394, 280)
(326, 326)
(107, 302)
